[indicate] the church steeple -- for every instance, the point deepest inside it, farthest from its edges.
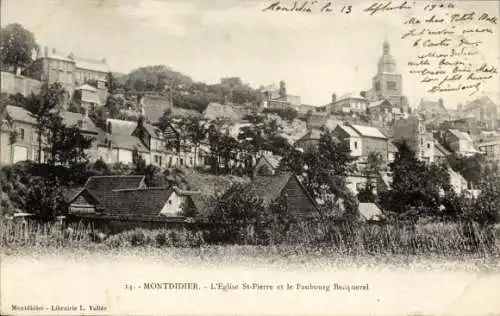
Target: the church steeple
(386, 63)
(385, 49)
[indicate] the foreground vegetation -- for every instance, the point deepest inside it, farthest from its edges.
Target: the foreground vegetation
(442, 239)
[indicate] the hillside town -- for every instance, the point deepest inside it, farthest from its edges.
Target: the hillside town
(165, 145)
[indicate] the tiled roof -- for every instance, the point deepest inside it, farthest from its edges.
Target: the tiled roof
(441, 149)
(317, 120)
(122, 141)
(349, 130)
(273, 160)
(460, 135)
(139, 202)
(155, 106)
(312, 134)
(369, 211)
(376, 103)
(350, 95)
(268, 188)
(203, 203)
(90, 64)
(121, 127)
(479, 102)
(86, 87)
(70, 193)
(369, 131)
(20, 114)
(71, 119)
(101, 186)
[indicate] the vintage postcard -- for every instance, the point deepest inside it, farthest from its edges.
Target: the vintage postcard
(249, 157)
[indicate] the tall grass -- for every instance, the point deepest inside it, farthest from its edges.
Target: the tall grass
(447, 239)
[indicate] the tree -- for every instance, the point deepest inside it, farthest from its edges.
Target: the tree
(415, 186)
(17, 46)
(67, 145)
(195, 132)
(235, 215)
(110, 82)
(323, 170)
(45, 198)
(149, 171)
(44, 109)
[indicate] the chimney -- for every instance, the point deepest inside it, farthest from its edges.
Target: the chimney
(45, 51)
(282, 89)
(71, 55)
(441, 103)
(334, 98)
(53, 50)
(103, 60)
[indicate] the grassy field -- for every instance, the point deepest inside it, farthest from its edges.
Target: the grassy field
(428, 247)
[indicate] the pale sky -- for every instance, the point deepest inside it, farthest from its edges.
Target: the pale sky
(316, 54)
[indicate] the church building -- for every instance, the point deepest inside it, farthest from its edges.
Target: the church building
(387, 84)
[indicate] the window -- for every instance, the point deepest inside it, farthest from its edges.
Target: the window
(428, 146)
(377, 86)
(355, 145)
(21, 133)
(182, 162)
(160, 158)
(391, 85)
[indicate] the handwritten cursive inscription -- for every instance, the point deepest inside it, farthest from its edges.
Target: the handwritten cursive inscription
(387, 6)
(448, 45)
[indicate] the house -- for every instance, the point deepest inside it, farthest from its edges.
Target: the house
(433, 109)
(278, 98)
(381, 111)
(87, 97)
(441, 154)
(163, 147)
(23, 125)
(317, 120)
(457, 182)
(413, 131)
(53, 66)
(154, 106)
(369, 212)
(461, 143)
(126, 198)
(120, 148)
(491, 149)
(97, 189)
(310, 141)
(266, 165)
(349, 102)
(363, 140)
(392, 151)
(285, 186)
(482, 109)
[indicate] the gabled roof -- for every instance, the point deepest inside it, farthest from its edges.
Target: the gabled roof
(460, 135)
(317, 120)
(350, 95)
(368, 131)
(91, 64)
(101, 187)
(369, 211)
(269, 188)
(71, 119)
(121, 127)
(86, 87)
(441, 149)
(312, 134)
(20, 114)
(155, 106)
(273, 160)
(349, 130)
(127, 142)
(378, 103)
(139, 202)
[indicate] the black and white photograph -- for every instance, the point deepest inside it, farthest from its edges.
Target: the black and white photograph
(249, 157)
